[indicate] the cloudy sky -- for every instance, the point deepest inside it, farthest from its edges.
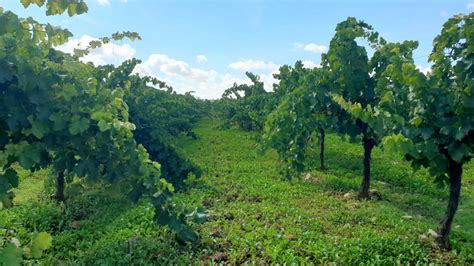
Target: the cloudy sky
(206, 46)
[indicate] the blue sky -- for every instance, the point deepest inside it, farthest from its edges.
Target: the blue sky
(205, 46)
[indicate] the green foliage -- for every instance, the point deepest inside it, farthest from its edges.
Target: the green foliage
(56, 111)
(159, 117)
(430, 116)
(253, 220)
(103, 124)
(245, 105)
(303, 111)
(350, 74)
(12, 253)
(40, 242)
(118, 36)
(8, 180)
(351, 78)
(55, 126)
(58, 7)
(305, 97)
(264, 219)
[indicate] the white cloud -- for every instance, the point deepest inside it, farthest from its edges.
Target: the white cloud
(311, 47)
(176, 68)
(252, 65)
(109, 53)
(201, 58)
(262, 68)
(268, 80)
(310, 64)
(470, 6)
(183, 77)
(424, 69)
(103, 2)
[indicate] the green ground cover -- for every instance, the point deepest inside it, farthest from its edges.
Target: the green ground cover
(255, 215)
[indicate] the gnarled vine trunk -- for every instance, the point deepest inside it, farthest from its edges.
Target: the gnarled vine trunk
(322, 135)
(60, 183)
(455, 174)
(369, 144)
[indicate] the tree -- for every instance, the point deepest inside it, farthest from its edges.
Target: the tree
(302, 112)
(51, 109)
(245, 105)
(440, 130)
(54, 112)
(430, 118)
(58, 7)
(350, 78)
(159, 117)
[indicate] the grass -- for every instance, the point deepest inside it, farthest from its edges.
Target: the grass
(256, 216)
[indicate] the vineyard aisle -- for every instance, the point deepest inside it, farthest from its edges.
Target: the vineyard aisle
(157, 142)
(258, 216)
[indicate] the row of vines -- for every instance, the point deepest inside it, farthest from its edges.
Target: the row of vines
(95, 123)
(379, 100)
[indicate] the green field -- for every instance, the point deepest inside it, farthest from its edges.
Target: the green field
(255, 215)
(334, 137)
